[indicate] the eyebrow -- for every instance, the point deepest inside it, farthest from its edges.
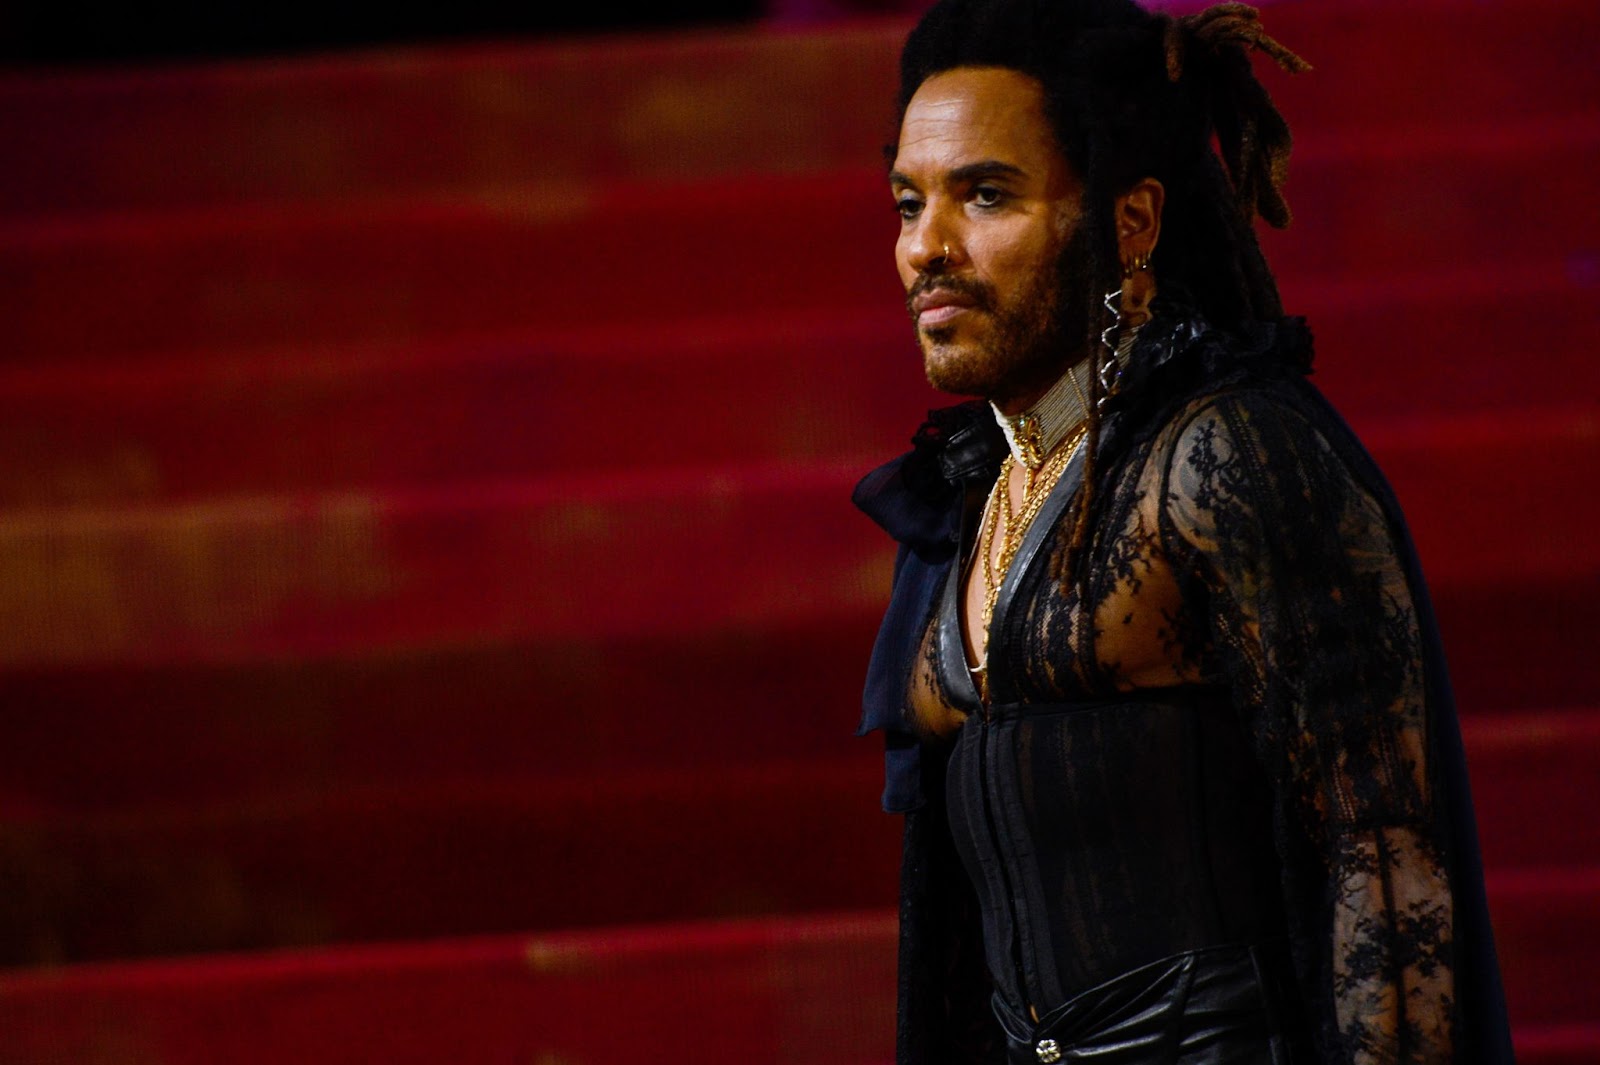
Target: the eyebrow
(966, 173)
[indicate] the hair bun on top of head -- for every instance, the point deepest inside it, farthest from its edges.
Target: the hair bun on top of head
(1224, 26)
(1252, 135)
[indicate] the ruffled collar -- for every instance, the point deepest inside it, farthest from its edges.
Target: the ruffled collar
(916, 497)
(1179, 355)
(1178, 338)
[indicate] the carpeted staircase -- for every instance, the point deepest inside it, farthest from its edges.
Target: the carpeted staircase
(431, 615)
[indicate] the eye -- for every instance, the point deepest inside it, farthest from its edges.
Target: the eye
(908, 207)
(988, 196)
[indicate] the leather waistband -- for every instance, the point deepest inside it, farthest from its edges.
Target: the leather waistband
(1201, 1007)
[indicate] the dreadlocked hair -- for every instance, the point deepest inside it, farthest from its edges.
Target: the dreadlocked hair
(1130, 95)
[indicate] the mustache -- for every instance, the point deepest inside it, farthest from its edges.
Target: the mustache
(980, 293)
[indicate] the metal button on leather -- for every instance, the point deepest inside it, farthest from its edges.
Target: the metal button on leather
(1049, 1051)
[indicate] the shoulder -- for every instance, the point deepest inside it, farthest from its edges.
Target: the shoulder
(1252, 473)
(1268, 456)
(1184, 368)
(1247, 422)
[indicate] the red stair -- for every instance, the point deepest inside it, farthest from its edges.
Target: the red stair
(433, 619)
(811, 992)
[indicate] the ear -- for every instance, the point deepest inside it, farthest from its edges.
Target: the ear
(1138, 218)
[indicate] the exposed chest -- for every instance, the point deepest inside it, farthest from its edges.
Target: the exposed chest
(1136, 621)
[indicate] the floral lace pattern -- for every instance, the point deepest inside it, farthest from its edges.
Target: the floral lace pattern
(1236, 550)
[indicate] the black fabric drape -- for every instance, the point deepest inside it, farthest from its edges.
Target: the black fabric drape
(1294, 590)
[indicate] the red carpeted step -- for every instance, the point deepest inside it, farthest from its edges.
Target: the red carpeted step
(752, 387)
(1562, 1044)
(1436, 467)
(599, 400)
(97, 740)
(429, 858)
(471, 121)
(156, 722)
(186, 731)
(375, 696)
(815, 991)
(75, 739)
(669, 551)
(626, 554)
(214, 282)
(1534, 779)
(1452, 340)
(1547, 923)
(1431, 62)
(1419, 198)
(282, 277)
(1515, 645)
(453, 121)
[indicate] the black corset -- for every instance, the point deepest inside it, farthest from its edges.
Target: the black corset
(1107, 837)
(1113, 841)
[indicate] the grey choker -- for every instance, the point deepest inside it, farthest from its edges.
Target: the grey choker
(1034, 433)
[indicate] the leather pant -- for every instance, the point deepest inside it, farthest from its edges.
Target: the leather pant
(1215, 1006)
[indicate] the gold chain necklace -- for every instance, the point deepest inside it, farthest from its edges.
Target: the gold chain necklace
(1035, 491)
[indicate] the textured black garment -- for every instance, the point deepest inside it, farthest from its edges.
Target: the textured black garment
(1150, 817)
(1202, 1007)
(1247, 558)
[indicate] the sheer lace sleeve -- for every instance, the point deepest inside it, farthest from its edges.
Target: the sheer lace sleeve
(1312, 617)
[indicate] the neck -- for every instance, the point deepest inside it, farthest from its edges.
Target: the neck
(1034, 430)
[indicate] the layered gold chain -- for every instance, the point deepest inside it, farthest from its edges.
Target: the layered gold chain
(1010, 527)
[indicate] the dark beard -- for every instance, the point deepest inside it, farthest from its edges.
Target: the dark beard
(1033, 343)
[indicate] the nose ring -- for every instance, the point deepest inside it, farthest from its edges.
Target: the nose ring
(946, 255)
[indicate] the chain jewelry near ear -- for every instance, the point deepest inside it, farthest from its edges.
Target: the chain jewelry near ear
(1122, 328)
(1111, 369)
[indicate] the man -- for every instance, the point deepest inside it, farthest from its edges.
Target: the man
(1162, 694)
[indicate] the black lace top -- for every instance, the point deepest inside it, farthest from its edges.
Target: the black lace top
(1245, 553)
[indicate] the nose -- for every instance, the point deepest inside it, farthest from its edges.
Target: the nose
(932, 245)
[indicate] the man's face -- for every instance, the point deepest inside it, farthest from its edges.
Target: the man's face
(988, 207)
